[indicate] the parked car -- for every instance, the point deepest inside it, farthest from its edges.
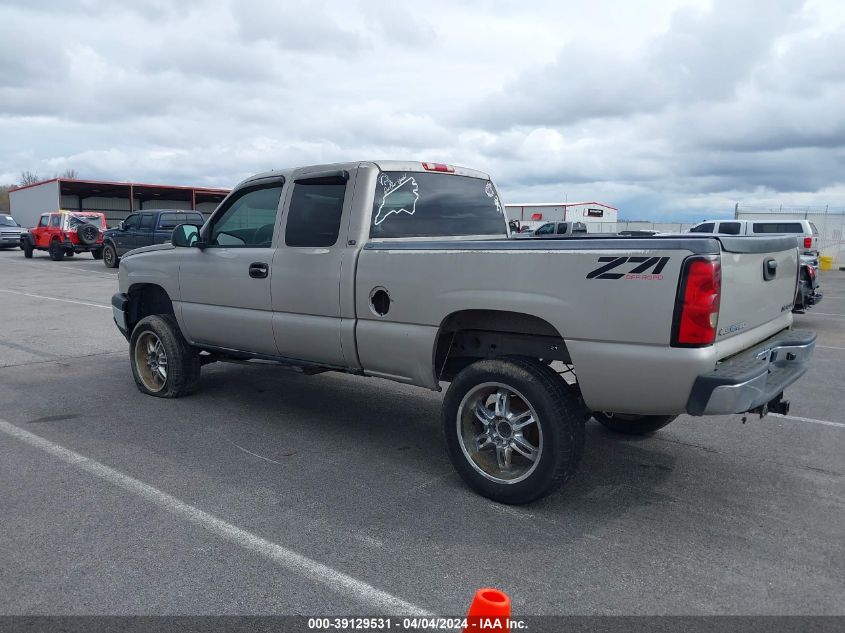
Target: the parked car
(404, 271)
(65, 233)
(144, 228)
(806, 230)
(807, 292)
(10, 231)
(551, 229)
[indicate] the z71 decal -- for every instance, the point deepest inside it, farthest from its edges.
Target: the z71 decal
(644, 268)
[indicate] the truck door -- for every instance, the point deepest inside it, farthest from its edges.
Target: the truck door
(125, 238)
(144, 234)
(225, 287)
(307, 270)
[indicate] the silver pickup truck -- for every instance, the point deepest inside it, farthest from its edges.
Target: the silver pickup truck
(405, 271)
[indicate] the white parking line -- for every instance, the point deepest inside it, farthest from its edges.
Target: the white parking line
(800, 419)
(82, 303)
(347, 586)
(830, 347)
(826, 314)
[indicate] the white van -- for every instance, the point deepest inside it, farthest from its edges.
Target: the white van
(805, 228)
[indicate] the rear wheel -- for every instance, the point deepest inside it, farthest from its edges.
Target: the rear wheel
(57, 252)
(632, 424)
(514, 429)
(163, 363)
(27, 249)
(110, 256)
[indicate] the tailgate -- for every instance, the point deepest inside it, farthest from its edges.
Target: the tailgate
(758, 282)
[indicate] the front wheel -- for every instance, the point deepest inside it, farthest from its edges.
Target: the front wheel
(514, 429)
(163, 363)
(632, 424)
(27, 249)
(110, 256)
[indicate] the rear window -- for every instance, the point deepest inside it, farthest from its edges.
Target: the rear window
(172, 220)
(78, 219)
(413, 204)
(778, 227)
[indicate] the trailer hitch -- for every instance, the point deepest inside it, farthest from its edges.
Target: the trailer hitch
(775, 405)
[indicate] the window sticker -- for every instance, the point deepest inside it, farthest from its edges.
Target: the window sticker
(400, 196)
(491, 193)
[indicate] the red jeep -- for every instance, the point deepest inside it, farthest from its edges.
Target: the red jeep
(65, 233)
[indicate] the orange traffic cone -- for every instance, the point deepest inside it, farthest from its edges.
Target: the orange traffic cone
(490, 611)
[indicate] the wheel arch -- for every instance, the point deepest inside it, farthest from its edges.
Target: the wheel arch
(146, 299)
(468, 335)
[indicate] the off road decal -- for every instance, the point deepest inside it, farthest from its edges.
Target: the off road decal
(654, 266)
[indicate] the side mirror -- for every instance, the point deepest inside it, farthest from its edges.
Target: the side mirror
(120, 226)
(185, 235)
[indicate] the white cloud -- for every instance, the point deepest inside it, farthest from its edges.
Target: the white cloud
(663, 108)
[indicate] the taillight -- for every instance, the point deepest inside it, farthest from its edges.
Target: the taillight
(438, 167)
(697, 303)
(811, 271)
(808, 242)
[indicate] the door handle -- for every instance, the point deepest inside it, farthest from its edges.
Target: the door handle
(258, 270)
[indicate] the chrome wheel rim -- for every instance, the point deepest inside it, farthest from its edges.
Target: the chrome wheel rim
(151, 361)
(499, 433)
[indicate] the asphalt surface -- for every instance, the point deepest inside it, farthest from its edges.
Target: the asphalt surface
(319, 483)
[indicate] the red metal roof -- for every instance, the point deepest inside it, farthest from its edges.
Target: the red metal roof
(109, 183)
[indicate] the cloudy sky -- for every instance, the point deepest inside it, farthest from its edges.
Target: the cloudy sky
(671, 109)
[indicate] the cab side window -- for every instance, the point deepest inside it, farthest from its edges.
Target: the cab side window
(703, 228)
(249, 219)
(131, 223)
(44, 221)
(546, 229)
(56, 220)
(729, 228)
(315, 210)
(147, 221)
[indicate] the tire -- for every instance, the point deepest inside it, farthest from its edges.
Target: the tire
(57, 252)
(110, 258)
(87, 234)
(97, 253)
(27, 249)
(156, 338)
(632, 424)
(477, 448)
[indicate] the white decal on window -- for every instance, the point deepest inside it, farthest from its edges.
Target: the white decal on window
(488, 189)
(399, 197)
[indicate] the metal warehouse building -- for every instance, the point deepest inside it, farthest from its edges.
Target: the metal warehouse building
(535, 213)
(116, 199)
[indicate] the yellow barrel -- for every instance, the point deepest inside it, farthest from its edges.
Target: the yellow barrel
(826, 262)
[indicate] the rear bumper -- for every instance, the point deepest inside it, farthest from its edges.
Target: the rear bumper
(755, 377)
(76, 247)
(120, 312)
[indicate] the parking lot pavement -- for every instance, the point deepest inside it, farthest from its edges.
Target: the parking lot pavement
(272, 492)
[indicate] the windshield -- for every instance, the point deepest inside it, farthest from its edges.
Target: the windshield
(7, 220)
(75, 221)
(413, 204)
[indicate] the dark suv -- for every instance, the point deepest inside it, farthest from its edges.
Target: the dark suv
(144, 228)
